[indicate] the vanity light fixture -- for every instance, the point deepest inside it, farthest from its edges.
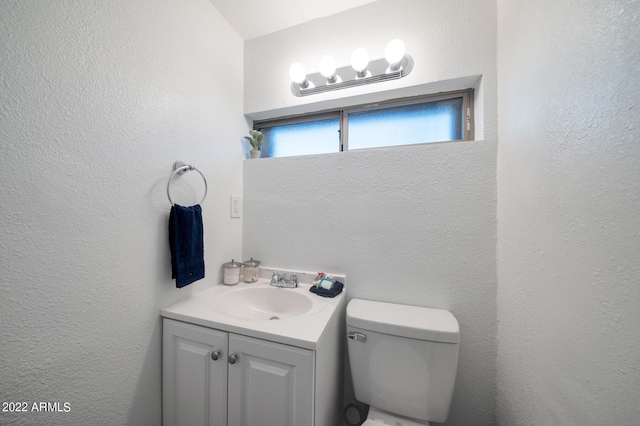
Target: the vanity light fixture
(395, 65)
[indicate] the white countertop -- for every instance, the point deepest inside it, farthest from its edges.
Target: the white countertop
(304, 331)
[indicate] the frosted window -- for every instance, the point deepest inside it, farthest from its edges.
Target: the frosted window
(434, 121)
(311, 137)
(441, 117)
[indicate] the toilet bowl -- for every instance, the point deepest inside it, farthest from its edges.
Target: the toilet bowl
(403, 361)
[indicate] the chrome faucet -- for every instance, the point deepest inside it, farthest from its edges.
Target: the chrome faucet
(280, 279)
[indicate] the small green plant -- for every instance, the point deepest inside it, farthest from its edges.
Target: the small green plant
(255, 139)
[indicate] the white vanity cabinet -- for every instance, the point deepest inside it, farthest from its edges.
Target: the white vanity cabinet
(217, 378)
(224, 367)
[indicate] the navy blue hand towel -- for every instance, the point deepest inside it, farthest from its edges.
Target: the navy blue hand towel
(336, 290)
(187, 244)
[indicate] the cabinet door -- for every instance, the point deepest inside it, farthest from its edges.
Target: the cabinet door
(194, 385)
(270, 384)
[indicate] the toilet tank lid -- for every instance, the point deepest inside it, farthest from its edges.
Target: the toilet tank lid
(415, 322)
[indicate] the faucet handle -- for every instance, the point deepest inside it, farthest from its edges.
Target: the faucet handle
(275, 276)
(294, 278)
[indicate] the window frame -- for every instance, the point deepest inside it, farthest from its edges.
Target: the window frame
(343, 115)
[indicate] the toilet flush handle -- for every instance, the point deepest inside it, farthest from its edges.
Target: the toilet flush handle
(358, 337)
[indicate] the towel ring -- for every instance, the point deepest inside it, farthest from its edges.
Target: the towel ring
(180, 168)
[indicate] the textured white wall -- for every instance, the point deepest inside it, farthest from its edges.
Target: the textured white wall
(568, 213)
(413, 225)
(98, 100)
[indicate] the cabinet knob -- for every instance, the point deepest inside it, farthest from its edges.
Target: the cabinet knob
(232, 359)
(215, 355)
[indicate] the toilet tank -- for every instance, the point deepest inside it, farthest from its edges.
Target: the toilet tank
(403, 359)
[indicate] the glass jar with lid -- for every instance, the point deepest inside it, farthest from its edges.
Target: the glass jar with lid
(251, 270)
(231, 272)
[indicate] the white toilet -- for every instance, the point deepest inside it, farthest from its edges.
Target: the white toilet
(403, 361)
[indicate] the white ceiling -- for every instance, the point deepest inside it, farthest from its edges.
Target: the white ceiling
(255, 18)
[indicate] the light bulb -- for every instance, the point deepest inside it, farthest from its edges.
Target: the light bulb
(297, 73)
(360, 60)
(394, 52)
(327, 67)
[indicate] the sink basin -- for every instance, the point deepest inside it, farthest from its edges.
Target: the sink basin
(251, 309)
(267, 303)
